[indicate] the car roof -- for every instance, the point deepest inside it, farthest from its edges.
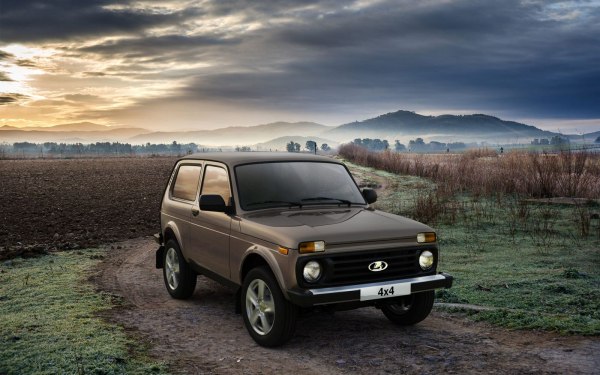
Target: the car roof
(248, 157)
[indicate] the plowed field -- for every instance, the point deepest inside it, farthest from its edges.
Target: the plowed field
(77, 203)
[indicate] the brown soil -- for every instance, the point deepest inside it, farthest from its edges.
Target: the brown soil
(66, 204)
(205, 335)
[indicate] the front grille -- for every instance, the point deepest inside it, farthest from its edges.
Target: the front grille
(353, 268)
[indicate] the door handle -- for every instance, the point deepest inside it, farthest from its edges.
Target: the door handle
(195, 211)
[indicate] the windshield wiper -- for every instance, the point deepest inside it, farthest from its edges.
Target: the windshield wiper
(342, 201)
(289, 203)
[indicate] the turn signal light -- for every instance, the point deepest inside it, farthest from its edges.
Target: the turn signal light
(311, 247)
(426, 237)
(283, 250)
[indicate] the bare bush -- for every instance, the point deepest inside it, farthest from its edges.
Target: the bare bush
(484, 173)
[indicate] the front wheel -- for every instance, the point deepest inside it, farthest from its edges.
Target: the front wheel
(410, 309)
(269, 318)
(180, 279)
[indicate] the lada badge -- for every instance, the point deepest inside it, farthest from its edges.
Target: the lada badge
(378, 266)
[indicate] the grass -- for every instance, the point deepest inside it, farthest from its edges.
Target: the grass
(529, 261)
(50, 324)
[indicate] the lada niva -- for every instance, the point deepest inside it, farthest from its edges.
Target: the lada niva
(291, 232)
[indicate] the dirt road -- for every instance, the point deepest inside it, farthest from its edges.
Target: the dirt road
(204, 335)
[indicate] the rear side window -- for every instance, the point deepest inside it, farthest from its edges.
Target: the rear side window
(216, 181)
(186, 182)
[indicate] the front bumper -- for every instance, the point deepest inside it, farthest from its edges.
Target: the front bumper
(352, 293)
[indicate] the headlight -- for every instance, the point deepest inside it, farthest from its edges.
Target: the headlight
(312, 271)
(426, 260)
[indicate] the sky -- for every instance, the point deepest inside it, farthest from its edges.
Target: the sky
(179, 64)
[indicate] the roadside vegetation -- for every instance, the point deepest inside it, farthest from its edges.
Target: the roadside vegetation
(520, 233)
(50, 320)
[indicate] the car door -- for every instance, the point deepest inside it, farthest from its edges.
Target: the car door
(182, 197)
(210, 231)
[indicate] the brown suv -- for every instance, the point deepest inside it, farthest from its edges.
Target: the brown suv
(292, 231)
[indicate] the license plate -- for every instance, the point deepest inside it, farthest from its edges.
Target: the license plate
(385, 291)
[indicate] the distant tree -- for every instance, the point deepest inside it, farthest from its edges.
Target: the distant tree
(175, 147)
(597, 140)
(325, 146)
(456, 145)
(436, 146)
(293, 147)
(243, 149)
(558, 140)
(399, 147)
(24, 146)
(417, 144)
(311, 146)
(372, 144)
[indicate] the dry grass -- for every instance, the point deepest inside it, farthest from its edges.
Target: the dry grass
(484, 173)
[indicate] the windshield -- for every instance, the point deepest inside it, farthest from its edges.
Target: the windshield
(287, 184)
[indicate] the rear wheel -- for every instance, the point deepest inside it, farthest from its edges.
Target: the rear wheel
(269, 318)
(179, 278)
(410, 309)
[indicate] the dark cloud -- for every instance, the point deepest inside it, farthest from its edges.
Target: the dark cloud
(502, 56)
(8, 98)
(4, 77)
(5, 55)
(26, 63)
(59, 20)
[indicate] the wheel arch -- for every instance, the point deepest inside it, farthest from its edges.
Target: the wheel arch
(258, 258)
(171, 232)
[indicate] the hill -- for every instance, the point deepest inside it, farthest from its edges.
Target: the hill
(40, 136)
(237, 135)
(403, 124)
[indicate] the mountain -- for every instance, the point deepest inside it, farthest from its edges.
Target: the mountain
(76, 126)
(400, 125)
(238, 135)
(110, 134)
(405, 124)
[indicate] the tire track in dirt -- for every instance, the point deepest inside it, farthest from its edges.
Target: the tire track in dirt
(204, 335)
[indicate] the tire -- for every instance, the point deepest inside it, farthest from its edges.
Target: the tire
(179, 278)
(410, 309)
(269, 318)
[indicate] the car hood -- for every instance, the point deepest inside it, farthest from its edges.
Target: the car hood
(333, 225)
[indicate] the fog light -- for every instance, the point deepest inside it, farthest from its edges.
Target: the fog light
(426, 260)
(426, 237)
(312, 271)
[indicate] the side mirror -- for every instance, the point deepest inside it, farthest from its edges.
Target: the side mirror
(212, 202)
(370, 195)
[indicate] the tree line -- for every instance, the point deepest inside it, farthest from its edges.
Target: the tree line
(103, 148)
(311, 146)
(415, 145)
